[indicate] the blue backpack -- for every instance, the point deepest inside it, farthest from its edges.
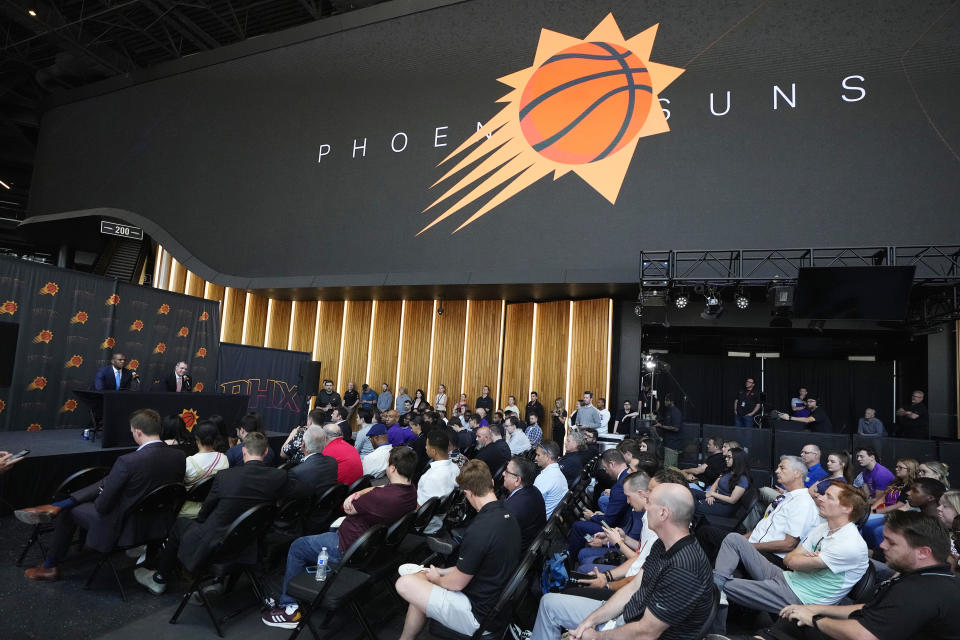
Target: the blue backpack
(554, 576)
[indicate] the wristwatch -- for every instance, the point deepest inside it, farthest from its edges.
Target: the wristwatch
(815, 620)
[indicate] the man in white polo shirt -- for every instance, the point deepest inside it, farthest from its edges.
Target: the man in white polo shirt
(440, 478)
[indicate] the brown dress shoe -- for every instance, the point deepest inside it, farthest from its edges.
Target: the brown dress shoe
(36, 515)
(42, 573)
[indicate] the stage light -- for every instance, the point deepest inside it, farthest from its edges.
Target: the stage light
(32, 13)
(742, 300)
(681, 300)
(4, 185)
(649, 362)
(713, 308)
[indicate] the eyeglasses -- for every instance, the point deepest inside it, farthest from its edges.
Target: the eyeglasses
(505, 472)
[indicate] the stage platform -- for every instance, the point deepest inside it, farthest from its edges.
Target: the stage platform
(55, 454)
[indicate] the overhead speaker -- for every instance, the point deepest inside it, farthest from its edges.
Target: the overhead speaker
(309, 382)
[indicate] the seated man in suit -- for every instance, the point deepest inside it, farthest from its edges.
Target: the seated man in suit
(317, 472)
(100, 507)
(524, 502)
(234, 491)
(376, 505)
(617, 513)
(178, 381)
(115, 376)
(338, 416)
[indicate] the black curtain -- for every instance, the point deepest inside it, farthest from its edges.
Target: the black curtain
(708, 382)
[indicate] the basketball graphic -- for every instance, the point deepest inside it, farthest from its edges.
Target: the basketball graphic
(586, 102)
(581, 108)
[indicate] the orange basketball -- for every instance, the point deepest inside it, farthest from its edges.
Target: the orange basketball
(585, 103)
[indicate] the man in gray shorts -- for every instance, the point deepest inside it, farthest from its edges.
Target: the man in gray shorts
(460, 597)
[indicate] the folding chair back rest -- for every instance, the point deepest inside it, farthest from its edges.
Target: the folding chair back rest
(399, 529)
(865, 587)
(79, 480)
(747, 502)
(200, 491)
(361, 483)
(451, 499)
(421, 517)
(248, 527)
(166, 498)
(331, 499)
(500, 616)
(293, 510)
(365, 548)
(714, 608)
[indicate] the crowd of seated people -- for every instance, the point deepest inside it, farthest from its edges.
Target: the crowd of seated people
(648, 551)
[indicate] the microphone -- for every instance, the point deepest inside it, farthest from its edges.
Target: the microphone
(135, 377)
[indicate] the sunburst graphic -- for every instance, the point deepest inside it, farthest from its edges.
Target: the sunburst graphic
(582, 107)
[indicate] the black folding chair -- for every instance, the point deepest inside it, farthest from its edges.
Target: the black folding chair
(165, 500)
(496, 623)
(342, 586)
(712, 615)
(326, 508)
(73, 482)
(245, 530)
(361, 483)
(200, 491)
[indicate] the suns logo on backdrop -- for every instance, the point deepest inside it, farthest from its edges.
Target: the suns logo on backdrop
(582, 107)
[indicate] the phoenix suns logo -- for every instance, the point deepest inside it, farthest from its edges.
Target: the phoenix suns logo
(582, 107)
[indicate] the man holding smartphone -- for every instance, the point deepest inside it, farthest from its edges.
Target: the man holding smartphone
(7, 459)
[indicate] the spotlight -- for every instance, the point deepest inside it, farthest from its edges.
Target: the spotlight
(649, 362)
(713, 308)
(439, 311)
(742, 300)
(681, 300)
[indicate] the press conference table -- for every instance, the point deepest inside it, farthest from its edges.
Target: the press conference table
(118, 405)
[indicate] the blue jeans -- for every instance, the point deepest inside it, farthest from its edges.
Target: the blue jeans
(602, 502)
(303, 553)
(745, 422)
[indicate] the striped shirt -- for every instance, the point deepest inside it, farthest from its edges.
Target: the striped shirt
(677, 586)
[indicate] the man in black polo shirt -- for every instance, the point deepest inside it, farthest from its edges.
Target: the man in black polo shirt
(748, 403)
(669, 599)
(328, 398)
(921, 602)
(818, 421)
(533, 407)
(913, 422)
(485, 401)
(461, 597)
(711, 468)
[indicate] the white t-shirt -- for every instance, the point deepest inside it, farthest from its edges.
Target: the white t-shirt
(647, 538)
(519, 442)
(604, 421)
(438, 481)
(514, 408)
(795, 516)
(375, 462)
(845, 554)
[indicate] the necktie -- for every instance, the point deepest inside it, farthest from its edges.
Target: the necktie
(179, 383)
(116, 371)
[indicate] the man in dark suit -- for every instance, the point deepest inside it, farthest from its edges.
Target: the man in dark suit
(100, 507)
(234, 491)
(178, 381)
(314, 475)
(114, 376)
(525, 502)
(338, 415)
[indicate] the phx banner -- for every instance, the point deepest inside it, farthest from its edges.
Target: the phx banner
(269, 377)
(70, 323)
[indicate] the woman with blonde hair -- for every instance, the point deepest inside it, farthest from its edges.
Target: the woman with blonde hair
(936, 470)
(894, 499)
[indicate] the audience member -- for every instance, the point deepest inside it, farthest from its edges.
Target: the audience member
(493, 450)
(368, 397)
(459, 597)
(924, 495)
(249, 423)
(822, 569)
(936, 470)
(233, 492)
(203, 464)
(604, 416)
(351, 399)
(706, 473)
(894, 498)
(723, 495)
(534, 408)
(327, 397)
(292, 448)
(798, 404)
(875, 477)
(818, 421)
(317, 472)
(375, 505)
(173, 430)
(588, 415)
(947, 511)
(349, 465)
(440, 478)
(839, 469)
(618, 512)
(440, 400)
(571, 463)
(361, 442)
(517, 439)
(398, 434)
(524, 500)
(551, 481)
(749, 403)
(869, 426)
(338, 416)
(670, 599)
(913, 422)
(669, 425)
(559, 415)
(484, 402)
(7, 460)
(100, 507)
(636, 487)
(533, 431)
(385, 399)
(920, 602)
(375, 464)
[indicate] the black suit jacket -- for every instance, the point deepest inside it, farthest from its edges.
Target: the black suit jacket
(103, 504)
(105, 379)
(527, 506)
(234, 491)
(313, 476)
(170, 383)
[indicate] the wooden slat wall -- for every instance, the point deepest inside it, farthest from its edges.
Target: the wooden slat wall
(384, 344)
(550, 356)
(194, 285)
(483, 348)
(326, 347)
(213, 291)
(356, 342)
(231, 329)
(178, 277)
(448, 349)
(588, 350)
(303, 319)
(517, 340)
(414, 365)
(163, 277)
(254, 320)
(278, 322)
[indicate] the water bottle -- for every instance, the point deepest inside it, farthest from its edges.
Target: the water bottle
(323, 565)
